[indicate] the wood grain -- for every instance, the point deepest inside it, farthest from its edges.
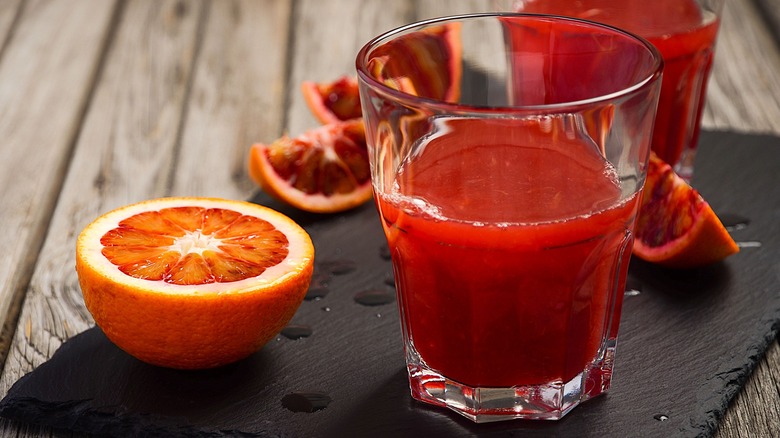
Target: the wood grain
(43, 100)
(123, 154)
(237, 97)
(10, 11)
(744, 90)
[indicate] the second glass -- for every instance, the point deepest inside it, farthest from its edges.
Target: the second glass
(508, 155)
(684, 31)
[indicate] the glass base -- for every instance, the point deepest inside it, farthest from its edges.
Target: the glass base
(548, 401)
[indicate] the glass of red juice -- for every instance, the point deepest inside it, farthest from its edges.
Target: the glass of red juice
(508, 156)
(684, 31)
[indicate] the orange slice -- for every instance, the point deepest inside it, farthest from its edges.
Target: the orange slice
(332, 102)
(425, 63)
(193, 282)
(324, 170)
(676, 227)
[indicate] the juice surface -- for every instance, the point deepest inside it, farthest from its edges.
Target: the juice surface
(506, 244)
(685, 36)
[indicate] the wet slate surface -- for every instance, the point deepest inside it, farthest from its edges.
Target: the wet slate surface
(688, 342)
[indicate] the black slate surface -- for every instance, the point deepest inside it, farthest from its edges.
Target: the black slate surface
(688, 341)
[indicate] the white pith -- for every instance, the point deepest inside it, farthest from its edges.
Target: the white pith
(195, 242)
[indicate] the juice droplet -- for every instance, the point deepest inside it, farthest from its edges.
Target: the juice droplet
(734, 222)
(306, 401)
(338, 267)
(295, 332)
(661, 417)
(374, 297)
(316, 293)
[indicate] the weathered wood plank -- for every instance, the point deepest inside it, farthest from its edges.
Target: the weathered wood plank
(755, 409)
(237, 97)
(770, 11)
(39, 120)
(744, 90)
(328, 35)
(10, 11)
(124, 153)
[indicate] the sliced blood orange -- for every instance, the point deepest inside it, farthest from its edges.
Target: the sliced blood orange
(193, 282)
(425, 63)
(676, 227)
(324, 170)
(333, 102)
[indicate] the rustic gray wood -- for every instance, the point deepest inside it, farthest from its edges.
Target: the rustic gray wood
(10, 11)
(745, 84)
(123, 154)
(43, 99)
(237, 97)
(183, 91)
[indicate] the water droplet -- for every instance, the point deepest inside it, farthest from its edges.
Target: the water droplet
(661, 417)
(749, 244)
(306, 401)
(734, 222)
(338, 266)
(632, 292)
(374, 297)
(634, 285)
(296, 332)
(384, 252)
(326, 309)
(378, 315)
(390, 281)
(316, 293)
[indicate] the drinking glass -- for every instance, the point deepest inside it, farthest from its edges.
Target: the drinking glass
(684, 31)
(507, 157)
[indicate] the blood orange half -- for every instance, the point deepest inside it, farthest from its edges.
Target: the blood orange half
(324, 170)
(193, 282)
(332, 102)
(676, 227)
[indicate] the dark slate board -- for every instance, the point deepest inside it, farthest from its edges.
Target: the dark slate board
(688, 342)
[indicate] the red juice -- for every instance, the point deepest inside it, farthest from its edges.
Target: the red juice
(685, 35)
(508, 242)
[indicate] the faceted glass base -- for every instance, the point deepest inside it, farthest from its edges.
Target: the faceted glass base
(549, 401)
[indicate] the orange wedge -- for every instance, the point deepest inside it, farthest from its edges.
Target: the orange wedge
(676, 227)
(333, 102)
(324, 170)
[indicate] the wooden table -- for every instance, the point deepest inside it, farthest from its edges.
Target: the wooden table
(108, 102)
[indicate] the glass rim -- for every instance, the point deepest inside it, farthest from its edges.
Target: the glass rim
(655, 71)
